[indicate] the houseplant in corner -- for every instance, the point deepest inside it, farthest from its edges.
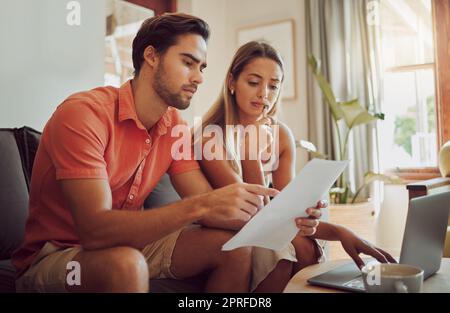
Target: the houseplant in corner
(346, 116)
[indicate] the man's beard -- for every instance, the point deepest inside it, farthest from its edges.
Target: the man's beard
(161, 87)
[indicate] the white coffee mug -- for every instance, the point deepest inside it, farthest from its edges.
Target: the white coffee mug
(392, 278)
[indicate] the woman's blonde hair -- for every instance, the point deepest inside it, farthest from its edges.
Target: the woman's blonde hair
(224, 110)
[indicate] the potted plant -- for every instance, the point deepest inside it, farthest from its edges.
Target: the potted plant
(346, 116)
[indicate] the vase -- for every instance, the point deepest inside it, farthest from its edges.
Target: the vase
(444, 160)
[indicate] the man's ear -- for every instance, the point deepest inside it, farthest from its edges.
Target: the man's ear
(151, 56)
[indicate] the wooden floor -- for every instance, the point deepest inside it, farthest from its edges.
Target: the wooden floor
(359, 218)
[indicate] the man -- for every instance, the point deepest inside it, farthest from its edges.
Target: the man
(100, 155)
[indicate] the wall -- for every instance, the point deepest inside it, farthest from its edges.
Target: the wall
(43, 59)
(225, 17)
(219, 52)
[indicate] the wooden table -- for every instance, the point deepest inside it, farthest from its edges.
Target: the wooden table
(439, 282)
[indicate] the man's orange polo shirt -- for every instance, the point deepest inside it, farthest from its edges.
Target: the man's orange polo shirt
(95, 134)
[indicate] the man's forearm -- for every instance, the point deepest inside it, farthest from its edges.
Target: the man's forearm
(222, 223)
(252, 173)
(137, 229)
(327, 231)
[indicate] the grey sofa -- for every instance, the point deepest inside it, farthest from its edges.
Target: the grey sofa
(17, 150)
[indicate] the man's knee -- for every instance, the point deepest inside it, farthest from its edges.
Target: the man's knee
(199, 250)
(129, 265)
(128, 270)
(241, 255)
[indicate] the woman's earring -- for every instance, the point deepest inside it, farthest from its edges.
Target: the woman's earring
(232, 92)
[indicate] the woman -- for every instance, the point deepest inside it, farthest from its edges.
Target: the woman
(249, 98)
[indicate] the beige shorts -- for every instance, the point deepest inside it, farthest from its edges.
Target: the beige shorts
(48, 271)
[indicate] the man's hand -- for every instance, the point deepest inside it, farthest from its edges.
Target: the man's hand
(239, 201)
(354, 246)
(308, 225)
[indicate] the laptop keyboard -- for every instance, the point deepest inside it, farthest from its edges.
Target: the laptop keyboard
(356, 283)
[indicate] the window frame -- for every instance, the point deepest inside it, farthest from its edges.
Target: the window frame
(441, 25)
(158, 6)
(441, 31)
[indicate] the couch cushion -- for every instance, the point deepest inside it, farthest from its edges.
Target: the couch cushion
(27, 140)
(7, 276)
(163, 194)
(13, 195)
(193, 285)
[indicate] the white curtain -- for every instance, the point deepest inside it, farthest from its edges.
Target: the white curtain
(345, 36)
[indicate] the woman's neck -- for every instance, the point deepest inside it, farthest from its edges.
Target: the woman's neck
(245, 119)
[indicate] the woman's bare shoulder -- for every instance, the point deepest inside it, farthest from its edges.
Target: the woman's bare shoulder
(286, 137)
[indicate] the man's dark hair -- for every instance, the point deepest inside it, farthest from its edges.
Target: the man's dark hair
(162, 32)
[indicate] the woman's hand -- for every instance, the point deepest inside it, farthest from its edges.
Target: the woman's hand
(262, 140)
(308, 225)
(355, 245)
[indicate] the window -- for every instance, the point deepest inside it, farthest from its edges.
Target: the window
(122, 23)
(441, 14)
(408, 136)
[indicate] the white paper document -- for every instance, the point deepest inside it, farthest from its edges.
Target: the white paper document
(273, 227)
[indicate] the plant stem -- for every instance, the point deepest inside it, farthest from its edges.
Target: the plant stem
(341, 178)
(339, 138)
(346, 141)
(341, 183)
(357, 193)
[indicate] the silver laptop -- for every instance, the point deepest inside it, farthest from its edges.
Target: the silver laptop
(422, 246)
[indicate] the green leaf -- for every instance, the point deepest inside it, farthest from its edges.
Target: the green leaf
(325, 87)
(337, 190)
(311, 148)
(313, 63)
(370, 177)
(318, 155)
(307, 145)
(379, 116)
(355, 114)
